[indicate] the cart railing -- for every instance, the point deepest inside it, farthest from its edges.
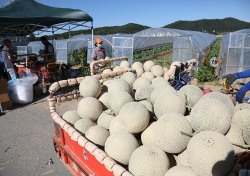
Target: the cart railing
(96, 68)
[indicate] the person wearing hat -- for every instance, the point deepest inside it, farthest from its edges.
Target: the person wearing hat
(48, 51)
(99, 52)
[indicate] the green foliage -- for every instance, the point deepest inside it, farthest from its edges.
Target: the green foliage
(78, 57)
(206, 72)
(143, 54)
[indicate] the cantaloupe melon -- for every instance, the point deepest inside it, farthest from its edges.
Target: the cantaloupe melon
(180, 171)
(210, 114)
(116, 125)
(182, 158)
(139, 71)
(105, 119)
(148, 65)
(148, 136)
(90, 87)
(124, 64)
(159, 81)
(141, 82)
(143, 93)
(148, 161)
(235, 135)
(157, 70)
(171, 102)
(148, 75)
(168, 132)
(241, 118)
(97, 134)
(246, 134)
(104, 99)
(117, 85)
(83, 125)
(241, 106)
(161, 90)
(90, 108)
(148, 105)
(129, 77)
(134, 117)
(223, 98)
(192, 93)
(210, 153)
(71, 117)
(120, 146)
(137, 65)
(118, 99)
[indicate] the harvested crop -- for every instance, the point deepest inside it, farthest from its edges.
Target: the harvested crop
(71, 117)
(157, 70)
(210, 114)
(192, 93)
(168, 132)
(118, 99)
(148, 65)
(105, 119)
(180, 171)
(155, 161)
(90, 87)
(120, 146)
(210, 153)
(169, 102)
(134, 117)
(83, 125)
(90, 108)
(97, 134)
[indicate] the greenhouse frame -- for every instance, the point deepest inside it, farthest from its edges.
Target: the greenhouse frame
(235, 52)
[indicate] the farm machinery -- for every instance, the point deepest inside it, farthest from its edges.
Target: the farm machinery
(48, 71)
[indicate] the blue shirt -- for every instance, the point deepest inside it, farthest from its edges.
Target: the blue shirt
(1, 58)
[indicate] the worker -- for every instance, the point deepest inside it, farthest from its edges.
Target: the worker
(48, 51)
(8, 58)
(99, 52)
(230, 78)
(3, 72)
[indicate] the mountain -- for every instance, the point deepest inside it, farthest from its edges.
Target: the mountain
(215, 26)
(129, 28)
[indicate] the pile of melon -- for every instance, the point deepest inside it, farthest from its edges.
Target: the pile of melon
(151, 129)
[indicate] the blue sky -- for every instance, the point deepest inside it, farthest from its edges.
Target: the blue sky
(154, 13)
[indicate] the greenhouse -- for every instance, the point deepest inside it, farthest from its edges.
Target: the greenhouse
(186, 44)
(235, 52)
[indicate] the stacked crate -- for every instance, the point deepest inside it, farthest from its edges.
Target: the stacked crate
(5, 102)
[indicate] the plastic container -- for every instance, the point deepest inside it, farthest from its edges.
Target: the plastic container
(21, 90)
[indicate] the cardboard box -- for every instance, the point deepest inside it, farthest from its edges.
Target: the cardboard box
(6, 105)
(3, 83)
(3, 90)
(4, 97)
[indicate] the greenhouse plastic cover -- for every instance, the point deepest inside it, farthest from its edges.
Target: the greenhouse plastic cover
(201, 40)
(236, 39)
(236, 51)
